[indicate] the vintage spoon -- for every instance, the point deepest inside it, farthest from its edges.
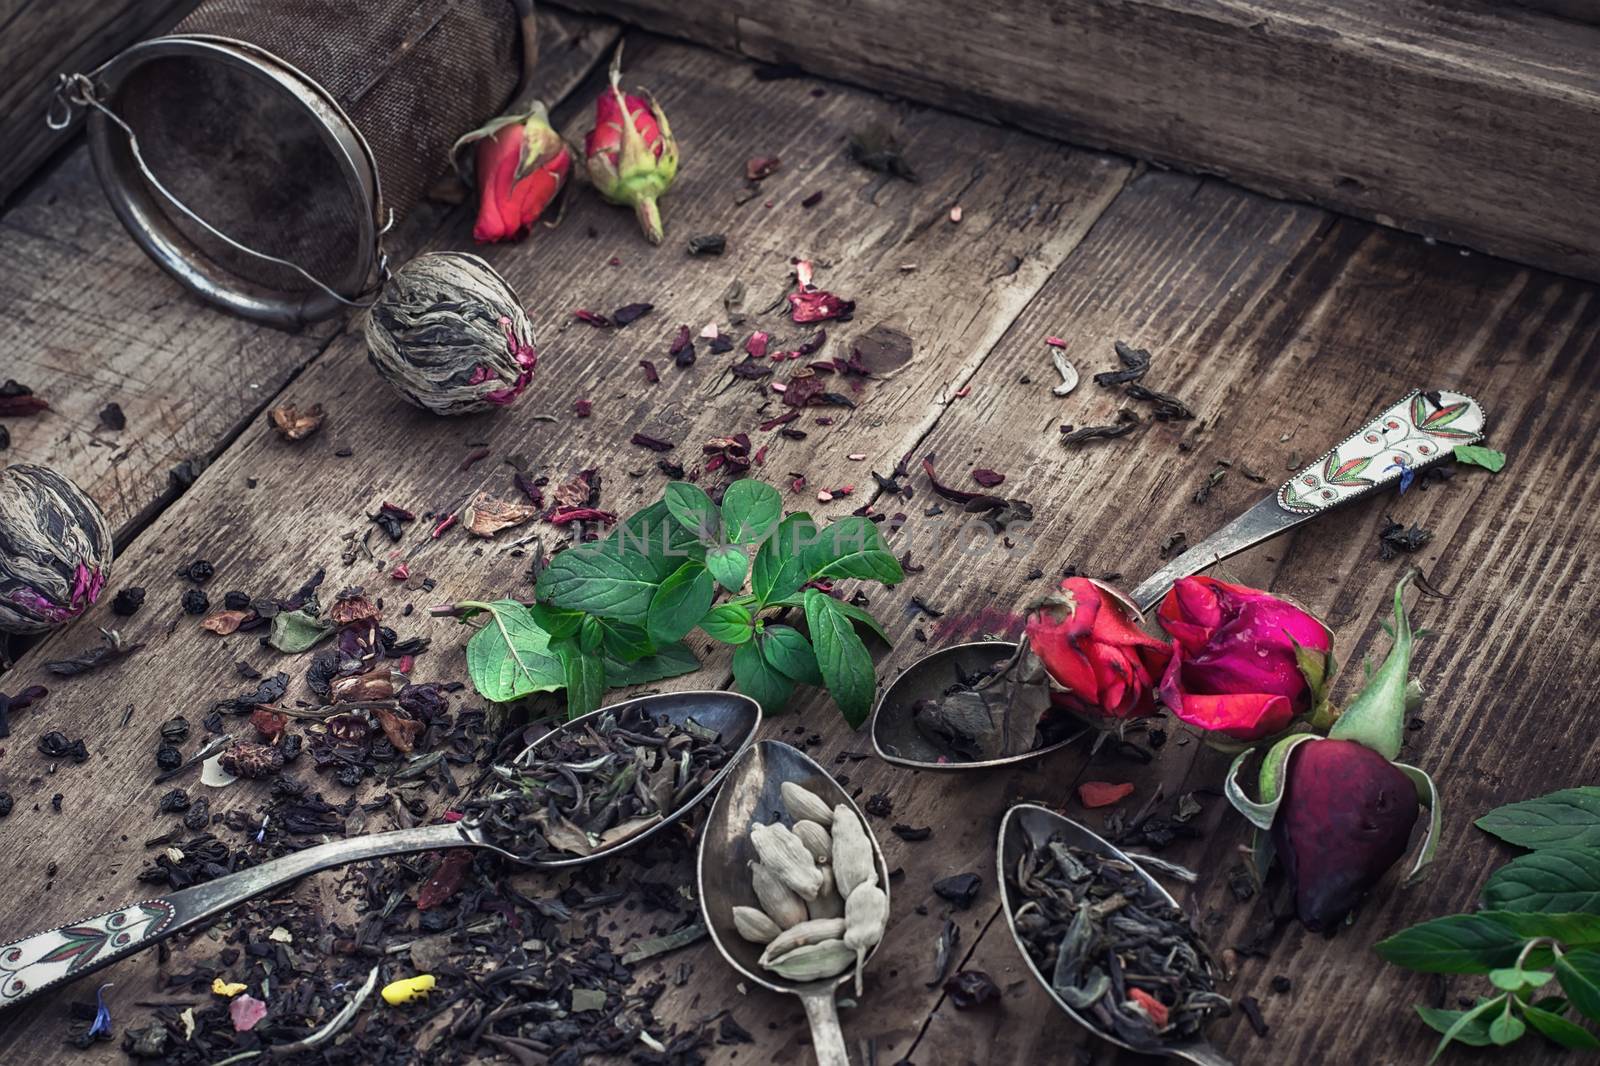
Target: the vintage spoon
(1420, 430)
(1029, 823)
(751, 795)
(42, 961)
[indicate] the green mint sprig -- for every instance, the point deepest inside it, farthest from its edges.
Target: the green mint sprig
(1539, 931)
(617, 612)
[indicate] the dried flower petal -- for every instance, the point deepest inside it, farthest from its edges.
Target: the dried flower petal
(485, 516)
(815, 305)
(760, 166)
(224, 622)
(246, 1011)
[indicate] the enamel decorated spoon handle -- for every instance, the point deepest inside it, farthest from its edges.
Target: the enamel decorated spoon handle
(1420, 430)
(40, 962)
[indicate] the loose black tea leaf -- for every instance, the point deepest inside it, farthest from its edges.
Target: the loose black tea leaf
(112, 649)
(581, 792)
(876, 149)
(708, 244)
(970, 988)
(1394, 537)
(1127, 421)
(1112, 947)
(631, 313)
(960, 889)
(1003, 711)
(1168, 407)
(1135, 364)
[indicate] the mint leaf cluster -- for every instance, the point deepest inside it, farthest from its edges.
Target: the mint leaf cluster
(616, 612)
(1537, 940)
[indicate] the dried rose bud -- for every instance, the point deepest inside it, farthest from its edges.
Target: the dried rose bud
(294, 424)
(631, 154)
(450, 335)
(245, 759)
(522, 165)
(55, 550)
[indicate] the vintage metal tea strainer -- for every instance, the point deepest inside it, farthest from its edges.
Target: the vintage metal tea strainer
(260, 150)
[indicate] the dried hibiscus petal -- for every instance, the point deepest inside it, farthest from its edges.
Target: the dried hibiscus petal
(987, 478)
(655, 444)
(486, 516)
(631, 313)
(816, 305)
(597, 320)
(446, 879)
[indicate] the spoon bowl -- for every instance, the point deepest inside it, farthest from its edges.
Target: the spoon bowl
(736, 717)
(751, 795)
(895, 737)
(1028, 824)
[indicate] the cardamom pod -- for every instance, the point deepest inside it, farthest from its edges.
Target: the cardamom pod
(816, 840)
(755, 926)
(866, 916)
(828, 904)
(853, 860)
(813, 962)
(776, 898)
(781, 852)
(813, 931)
(804, 803)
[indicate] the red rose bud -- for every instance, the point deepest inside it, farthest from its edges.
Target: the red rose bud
(631, 155)
(1102, 663)
(1339, 810)
(1245, 663)
(522, 164)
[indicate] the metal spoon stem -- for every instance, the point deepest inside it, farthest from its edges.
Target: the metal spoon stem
(827, 1036)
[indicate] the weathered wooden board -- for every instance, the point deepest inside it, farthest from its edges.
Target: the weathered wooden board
(91, 321)
(40, 39)
(1470, 121)
(1021, 222)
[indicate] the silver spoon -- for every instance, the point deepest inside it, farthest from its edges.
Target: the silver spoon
(1028, 823)
(1418, 431)
(36, 963)
(751, 795)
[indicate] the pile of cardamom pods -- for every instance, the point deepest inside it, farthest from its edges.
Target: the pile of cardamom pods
(817, 882)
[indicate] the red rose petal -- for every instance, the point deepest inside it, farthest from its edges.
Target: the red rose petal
(1103, 793)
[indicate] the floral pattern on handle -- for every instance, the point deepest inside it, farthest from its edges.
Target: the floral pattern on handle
(1420, 430)
(36, 961)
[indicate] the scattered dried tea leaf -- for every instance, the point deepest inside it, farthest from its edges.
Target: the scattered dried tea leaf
(294, 424)
(1127, 421)
(17, 400)
(1168, 408)
(628, 314)
(876, 148)
(971, 988)
(1135, 364)
(485, 516)
(1394, 537)
(708, 244)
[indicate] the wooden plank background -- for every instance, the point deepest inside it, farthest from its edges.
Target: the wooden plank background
(1470, 121)
(1272, 319)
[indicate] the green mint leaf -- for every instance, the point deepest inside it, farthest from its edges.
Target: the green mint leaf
(1474, 455)
(730, 623)
(589, 635)
(653, 535)
(625, 642)
(728, 565)
(852, 547)
(750, 510)
(1554, 1027)
(1506, 1029)
(1579, 974)
(843, 660)
(1566, 819)
(779, 570)
(1554, 879)
(619, 587)
(1513, 979)
(557, 622)
(787, 649)
(679, 604)
(694, 511)
(1572, 930)
(1474, 1034)
(296, 631)
(585, 677)
(850, 611)
(673, 660)
(1470, 1022)
(510, 657)
(1459, 943)
(758, 679)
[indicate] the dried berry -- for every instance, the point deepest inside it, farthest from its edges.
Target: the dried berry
(175, 730)
(234, 600)
(6, 803)
(450, 335)
(245, 759)
(57, 550)
(198, 816)
(195, 601)
(171, 802)
(199, 571)
(290, 746)
(168, 757)
(126, 602)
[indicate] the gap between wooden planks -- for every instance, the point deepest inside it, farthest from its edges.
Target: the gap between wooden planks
(91, 320)
(1021, 222)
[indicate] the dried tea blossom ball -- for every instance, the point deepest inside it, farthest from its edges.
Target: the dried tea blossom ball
(55, 549)
(448, 332)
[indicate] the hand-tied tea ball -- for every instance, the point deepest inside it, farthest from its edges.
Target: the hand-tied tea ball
(55, 549)
(450, 335)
